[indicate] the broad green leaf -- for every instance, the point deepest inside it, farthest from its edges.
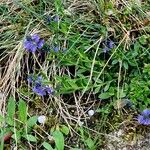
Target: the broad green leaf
(32, 121)
(11, 107)
(64, 129)
(22, 111)
(59, 140)
(105, 95)
(47, 146)
(30, 138)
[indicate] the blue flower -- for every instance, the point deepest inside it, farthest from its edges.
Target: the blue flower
(32, 43)
(39, 78)
(42, 90)
(56, 18)
(108, 46)
(30, 79)
(56, 49)
(144, 118)
(39, 88)
(106, 49)
(40, 44)
(35, 38)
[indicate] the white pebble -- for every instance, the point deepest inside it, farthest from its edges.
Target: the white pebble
(42, 119)
(91, 112)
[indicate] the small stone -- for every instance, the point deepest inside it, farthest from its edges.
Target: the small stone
(91, 112)
(42, 119)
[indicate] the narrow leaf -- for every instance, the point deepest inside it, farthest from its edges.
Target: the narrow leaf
(30, 138)
(47, 146)
(22, 111)
(107, 87)
(11, 107)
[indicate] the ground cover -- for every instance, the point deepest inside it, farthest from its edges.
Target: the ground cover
(75, 74)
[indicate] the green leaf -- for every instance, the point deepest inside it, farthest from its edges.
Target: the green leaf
(32, 121)
(11, 107)
(47, 146)
(22, 111)
(30, 138)
(58, 6)
(17, 135)
(97, 89)
(122, 94)
(59, 140)
(64, 129)
(114, 62)
(104, 111)
(2, 141)
(105, 95)
(75, 149)
(107, 87)
(137, 46)
(142, 39)
(125, 64)
(90, 143)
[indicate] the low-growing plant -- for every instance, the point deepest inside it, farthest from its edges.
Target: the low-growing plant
(17, 123)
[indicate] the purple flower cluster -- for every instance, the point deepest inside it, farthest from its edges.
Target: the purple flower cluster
(38, 87)
(32, 43)
(144, 118)
(108, 46)
(42, 89)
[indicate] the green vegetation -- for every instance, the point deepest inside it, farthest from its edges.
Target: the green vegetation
(72, 72)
